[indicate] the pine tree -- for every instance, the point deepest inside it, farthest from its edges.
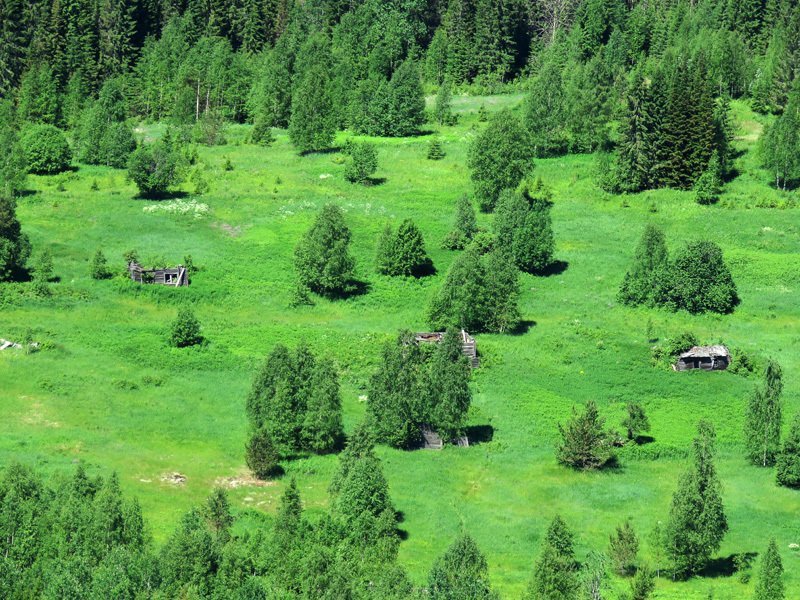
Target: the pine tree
(322, 424)
(623, 548)
(770, 577)
(787, 471)
(322, 259)
(461, 573)
(697, 521)
(499, 158)
(764, 417)
(636, 421)
(584, 442)
(464, 228)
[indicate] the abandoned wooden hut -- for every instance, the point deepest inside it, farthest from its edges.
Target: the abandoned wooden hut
(708, 358)
(431, 440)
(467, 344)
(176, 277)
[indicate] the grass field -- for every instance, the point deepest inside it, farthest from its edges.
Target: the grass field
(108, 391)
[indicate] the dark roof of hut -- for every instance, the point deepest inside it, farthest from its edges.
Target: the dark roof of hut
(706, 352)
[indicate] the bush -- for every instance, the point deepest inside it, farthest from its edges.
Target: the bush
(155, 168)
(116, 145)
(46, 149)
(185, 330)
(363, 162)
(261, 133)
(99, 268)
(15, 248)
(261, 455)
(322, 258)
(435, 150)
(209, 130)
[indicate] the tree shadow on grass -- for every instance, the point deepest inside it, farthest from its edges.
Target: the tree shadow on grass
(641, 440)
(374, 181)
(522, 327)
(353, 289)
(175, 195)
(331, 150)
(557, 267)
(480, 434)
(725, 566)
(425, 270)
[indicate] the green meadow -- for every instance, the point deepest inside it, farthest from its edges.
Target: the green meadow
(107, 390)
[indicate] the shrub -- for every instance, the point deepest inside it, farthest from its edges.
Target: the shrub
(322, 258)
(46, 149)
(363, 162)
(464, 228)
(116, 145)
(261, 455)
(15, 248)
(787, 471)
(435, 150)
(155, 168)
(185, 330)
(99, 268)
(403, 252)
(209, 130)
(261, 133)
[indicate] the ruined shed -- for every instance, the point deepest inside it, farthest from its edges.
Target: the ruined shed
(467, 344)
(708, 358)
(176, 276)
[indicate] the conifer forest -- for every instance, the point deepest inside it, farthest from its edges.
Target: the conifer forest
(400, 299)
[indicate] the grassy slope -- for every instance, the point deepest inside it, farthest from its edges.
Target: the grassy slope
(72, 403)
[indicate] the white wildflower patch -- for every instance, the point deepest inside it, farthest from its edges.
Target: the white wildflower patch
(191, 208)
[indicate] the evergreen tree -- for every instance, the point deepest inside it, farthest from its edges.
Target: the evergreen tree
(155, 168)
(261, 455)
(636, 168)
(217, 513)
(770, 577)
(406, 101)
(584, 442)
(545, 115)
(501, 295)
(38, 96)
(709, 185)
(435, 150)
(449, 384)
(636, 421)
(395, 394)
(524, 230)
(322, 259)
(787, 464)
(464, 228)
(46, 149)
(697, 521)
(362, 164)
(643, 583)
(499, 158)
(116, 31)
(313, 124)
(189, 558)
(764, 417)
(554, 576)
(99, 268)
(322, 425)
(461, 573)
(649, 259)
(403, 252)
(623, 548)
(780, 144)
(185, 330)
(697, 280)
(363, 500)
(561, 538)
(13, 167)
(442, 109)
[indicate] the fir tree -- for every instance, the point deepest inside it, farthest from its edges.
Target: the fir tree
(464, 228)
(322, 259)
(261, 455)
(636, 421)
(561, 539)
(623, 548)
(406, 101)
(322, 425)
(787, 471)
(461, 573)
(403, 252)
(15, 248)
(584, 442)
(313, 124)
(643, 583)
(38, 96)
(499, 158)
(435, 150)
(13, 167)
(764, 417)
(362, 164)
(185, 330)
(217, 512)
(449, 382)
(697, 521)
(649, 261)
(523, 229)
(554, 576)
(770, 577)
(442, 110)
(709, 185)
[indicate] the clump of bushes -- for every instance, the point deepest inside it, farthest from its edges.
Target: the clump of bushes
(99, 268)
(209, 130)
(696, 279)
(46, 149)
(155, 168)
(523, 227)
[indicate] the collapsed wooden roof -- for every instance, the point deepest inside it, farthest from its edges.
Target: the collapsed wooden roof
(715, 351)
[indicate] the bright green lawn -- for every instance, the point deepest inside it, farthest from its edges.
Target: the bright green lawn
(74, 402)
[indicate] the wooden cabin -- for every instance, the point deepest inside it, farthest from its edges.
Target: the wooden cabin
(467, 344)
(431, 440)
(176, 277)
(708, 358)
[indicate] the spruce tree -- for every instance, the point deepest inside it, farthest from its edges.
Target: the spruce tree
(649, 260)
(523, 229)
(261, 455)
(406, 101)
(442, 110)
(435, 150)
(322, 424)
(763, 418)
(362, 164)
(322, 259)
(499, 158)
(13, 167)
(464, 228)
(623, 549)
(554, 575)
(561, 538)
(402, 253)
(450, 396)
(313, 123)
(697, 521)
(501, 295)
(461, 573)
(15, 248)
(636, 421)
(545, 115)
(770, 578)
(787, 464)
(584, 442)
(639, 130)
(643, 583)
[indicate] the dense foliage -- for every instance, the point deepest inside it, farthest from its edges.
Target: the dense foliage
(15, 248)
(402, 252)
(46, 149)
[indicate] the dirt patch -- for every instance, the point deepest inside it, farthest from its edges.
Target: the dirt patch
(242, 481)
(174, 478)
(231, 230)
